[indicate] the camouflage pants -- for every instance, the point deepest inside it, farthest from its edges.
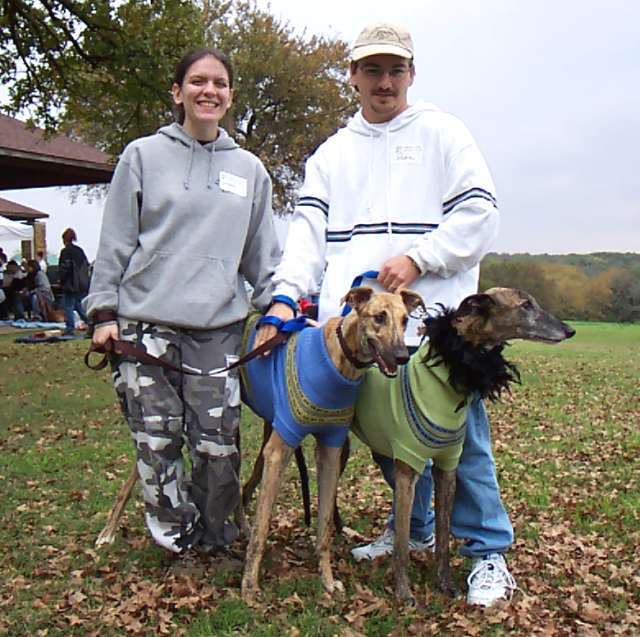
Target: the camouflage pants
(165, 409)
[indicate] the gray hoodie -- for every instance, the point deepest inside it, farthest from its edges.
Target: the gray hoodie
(184, 225)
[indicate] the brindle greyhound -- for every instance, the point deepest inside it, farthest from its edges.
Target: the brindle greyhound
(463, 356)
(373, 332)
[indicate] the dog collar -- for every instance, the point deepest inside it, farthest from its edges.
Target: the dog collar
(349, 355)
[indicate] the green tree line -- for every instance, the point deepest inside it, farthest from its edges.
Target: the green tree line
(598, 287)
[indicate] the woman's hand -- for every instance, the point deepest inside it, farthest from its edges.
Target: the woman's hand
(102, 333)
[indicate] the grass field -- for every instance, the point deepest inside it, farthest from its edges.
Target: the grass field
(567, 446)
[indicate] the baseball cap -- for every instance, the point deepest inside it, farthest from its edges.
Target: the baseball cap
(382, 37)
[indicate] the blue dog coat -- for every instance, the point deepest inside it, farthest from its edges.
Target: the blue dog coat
(299, 390)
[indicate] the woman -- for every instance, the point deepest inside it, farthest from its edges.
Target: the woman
(74, 279)
(39, 290)
(188, 219)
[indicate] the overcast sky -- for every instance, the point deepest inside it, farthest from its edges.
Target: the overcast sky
(549, 89)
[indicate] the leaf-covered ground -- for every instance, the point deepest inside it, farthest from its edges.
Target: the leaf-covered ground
(567, 446)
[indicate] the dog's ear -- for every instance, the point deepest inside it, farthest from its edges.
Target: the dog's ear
(412, 300)
(478, 304)
(356, 297)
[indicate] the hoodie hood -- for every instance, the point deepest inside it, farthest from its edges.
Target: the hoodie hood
(359, 125)
(177, 133)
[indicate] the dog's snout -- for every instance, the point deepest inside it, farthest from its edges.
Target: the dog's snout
(401, 354)
(569, 331)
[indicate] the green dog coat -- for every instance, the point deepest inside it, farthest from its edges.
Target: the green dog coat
(414, 416)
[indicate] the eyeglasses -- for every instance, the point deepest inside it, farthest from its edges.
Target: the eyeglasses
(377, 73)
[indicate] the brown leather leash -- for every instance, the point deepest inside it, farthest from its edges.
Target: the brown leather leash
(124, 348)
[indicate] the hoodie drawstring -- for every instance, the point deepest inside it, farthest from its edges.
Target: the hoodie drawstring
(212, 150)
(387, 184)
(187, 176)
(370, 182)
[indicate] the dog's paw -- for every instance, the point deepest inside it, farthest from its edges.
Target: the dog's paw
(448, 589)
(404, 597)
(250, 593)
(333, 586)
(105, 539)
(251, 597)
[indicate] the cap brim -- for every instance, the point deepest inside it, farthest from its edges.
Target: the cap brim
(380, 49)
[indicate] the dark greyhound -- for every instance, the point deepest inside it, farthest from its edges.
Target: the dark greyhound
(421, 413)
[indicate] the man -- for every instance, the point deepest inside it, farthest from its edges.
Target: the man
(74, 279)
(404, 190)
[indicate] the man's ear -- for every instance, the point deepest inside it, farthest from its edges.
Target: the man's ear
(356, 297)
(412, 300)
(353, 68)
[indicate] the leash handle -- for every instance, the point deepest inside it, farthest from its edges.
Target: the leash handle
(118, 347)
(98, 349)
(369, 274)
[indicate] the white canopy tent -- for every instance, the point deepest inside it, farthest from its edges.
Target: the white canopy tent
(14, 230)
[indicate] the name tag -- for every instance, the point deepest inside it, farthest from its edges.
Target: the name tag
(233, 184)
(408, 154)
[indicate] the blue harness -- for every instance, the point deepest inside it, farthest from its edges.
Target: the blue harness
(299, 390)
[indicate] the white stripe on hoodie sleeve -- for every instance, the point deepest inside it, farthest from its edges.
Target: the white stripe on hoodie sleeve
(303, 260)
(469, 227)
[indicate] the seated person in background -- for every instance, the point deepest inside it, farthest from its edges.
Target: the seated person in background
(12, 283)
(38, 293)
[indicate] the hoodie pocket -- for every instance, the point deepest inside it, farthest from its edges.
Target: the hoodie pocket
(178, 290)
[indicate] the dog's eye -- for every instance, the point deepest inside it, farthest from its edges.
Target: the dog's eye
(380, 319)
(526, 305)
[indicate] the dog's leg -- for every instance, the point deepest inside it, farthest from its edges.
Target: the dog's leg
(108, 533)
(344, 458)
(238, 515)
(276, 456)
(256, 474)
(445, 490)
(405, 480)
(328, 467)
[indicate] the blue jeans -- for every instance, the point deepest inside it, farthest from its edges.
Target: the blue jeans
(71, 302)
(478, 514)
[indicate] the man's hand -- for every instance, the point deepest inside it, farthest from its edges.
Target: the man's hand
(398, 272)
(265, 332)
(102, 333)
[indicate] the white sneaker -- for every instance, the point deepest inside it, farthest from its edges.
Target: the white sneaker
(384, 546)
(489, 581)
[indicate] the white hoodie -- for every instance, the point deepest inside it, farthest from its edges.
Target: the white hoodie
(416, 185)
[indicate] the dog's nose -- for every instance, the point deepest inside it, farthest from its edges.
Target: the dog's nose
(402, 356)
(569, 330)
